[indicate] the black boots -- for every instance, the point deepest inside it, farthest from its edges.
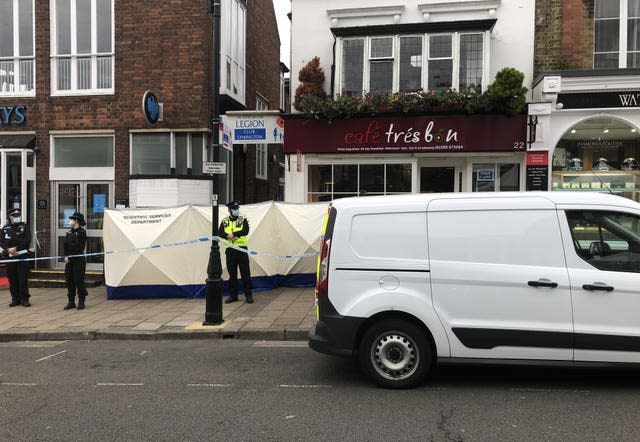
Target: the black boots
(71, 304)
(81, 304)
(231, 299)
(26, 303)
(249, 298)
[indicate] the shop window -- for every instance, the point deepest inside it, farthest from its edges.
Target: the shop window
(166, 153)
(82, 46)
(16, 48)
(616, 22)
(393, 64)
(332, 181)
(83, 151)
(491, 177)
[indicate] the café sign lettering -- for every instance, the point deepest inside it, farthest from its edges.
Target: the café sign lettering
(413, 134)
(12, 115)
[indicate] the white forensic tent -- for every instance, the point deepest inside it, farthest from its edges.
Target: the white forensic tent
(172, 255)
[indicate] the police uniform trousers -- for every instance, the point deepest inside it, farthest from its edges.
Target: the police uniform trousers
(236, 259)
(74, 275)
(18, 273)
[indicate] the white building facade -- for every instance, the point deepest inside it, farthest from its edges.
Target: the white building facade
(411, 45)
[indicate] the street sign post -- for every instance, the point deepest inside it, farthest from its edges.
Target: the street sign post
(214, 168)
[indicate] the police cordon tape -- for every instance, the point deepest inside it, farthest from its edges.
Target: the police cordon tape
(158, 246)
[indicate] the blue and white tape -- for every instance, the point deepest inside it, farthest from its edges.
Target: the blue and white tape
(165, 245)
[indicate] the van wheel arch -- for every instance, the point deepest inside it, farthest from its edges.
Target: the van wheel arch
(395, 315)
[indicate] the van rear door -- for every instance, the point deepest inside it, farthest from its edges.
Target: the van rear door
(499, 279)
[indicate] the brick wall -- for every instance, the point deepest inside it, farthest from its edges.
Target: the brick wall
(163, 46)
(564, 35)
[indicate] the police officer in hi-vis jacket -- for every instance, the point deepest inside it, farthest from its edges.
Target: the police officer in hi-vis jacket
(14, 245)
(235, 229)
(75, 266)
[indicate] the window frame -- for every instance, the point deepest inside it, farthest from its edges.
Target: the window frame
(17, 58)
(358, 192)
(74, 56)
(623, 44)
(455, 47)
(233, 50)
(190, 145)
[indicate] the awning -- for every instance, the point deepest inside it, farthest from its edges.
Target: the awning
(17, 141)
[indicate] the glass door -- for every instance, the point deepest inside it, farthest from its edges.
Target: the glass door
(89, 198)
(437, 179)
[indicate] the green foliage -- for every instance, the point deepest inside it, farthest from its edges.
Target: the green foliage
(505, 95)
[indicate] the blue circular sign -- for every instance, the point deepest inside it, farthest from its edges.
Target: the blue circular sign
(150, 107)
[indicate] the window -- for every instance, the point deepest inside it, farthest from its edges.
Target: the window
(485, 178)
(606, 240)
(617, 34)
(84, 151)
(332, 181)
(395, 63)
(234, 16)
(16, 47)
(82, 44)
(167, 153)
(262, 151)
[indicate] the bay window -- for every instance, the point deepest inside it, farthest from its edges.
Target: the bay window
(385, 64)
(16, 47)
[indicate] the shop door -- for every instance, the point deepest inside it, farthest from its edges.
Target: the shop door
(437, 179)
(90, 199)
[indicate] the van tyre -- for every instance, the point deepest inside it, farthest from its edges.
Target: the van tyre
(395, 353)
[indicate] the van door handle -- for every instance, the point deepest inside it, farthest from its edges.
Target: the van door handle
(543, 283)
(598, 286)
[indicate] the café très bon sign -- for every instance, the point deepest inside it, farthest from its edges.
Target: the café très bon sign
(456, 133)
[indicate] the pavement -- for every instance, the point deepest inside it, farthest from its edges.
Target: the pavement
(279, 314)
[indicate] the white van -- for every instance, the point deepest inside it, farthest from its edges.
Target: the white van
(408, 281)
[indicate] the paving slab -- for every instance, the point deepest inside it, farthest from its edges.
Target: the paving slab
(279, 314)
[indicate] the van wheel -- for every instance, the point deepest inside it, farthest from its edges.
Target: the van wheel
(395, 353)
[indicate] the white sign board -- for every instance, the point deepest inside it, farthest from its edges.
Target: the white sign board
(214, 168)
(255, 128)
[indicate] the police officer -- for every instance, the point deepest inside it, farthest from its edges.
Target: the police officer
(14, 245)
(75, 266)
(235, 229)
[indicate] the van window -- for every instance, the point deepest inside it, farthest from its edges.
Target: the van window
(606, 240)
(390, 235)
(513, 237)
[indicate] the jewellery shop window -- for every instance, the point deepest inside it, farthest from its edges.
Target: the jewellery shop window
(598, 166)
(332, 181)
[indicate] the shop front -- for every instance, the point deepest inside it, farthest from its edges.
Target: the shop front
(362, 156)
(589, 127)
(17, 175)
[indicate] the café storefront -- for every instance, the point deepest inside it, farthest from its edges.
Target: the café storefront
(384, 155)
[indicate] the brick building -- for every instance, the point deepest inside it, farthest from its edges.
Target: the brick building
(586, 95)
(73, 133)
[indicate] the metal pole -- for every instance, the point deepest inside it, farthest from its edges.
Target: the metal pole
(213, 289)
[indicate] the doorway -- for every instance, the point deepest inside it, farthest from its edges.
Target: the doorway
(437, 179)
(89, 198)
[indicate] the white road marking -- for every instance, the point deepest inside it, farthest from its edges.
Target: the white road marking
(18, 384)
(290, 344)
(118, 384)
(32, 344)
(50, 356)
(550, 390)
(209, 385)
(143, 353)
(303, 386)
